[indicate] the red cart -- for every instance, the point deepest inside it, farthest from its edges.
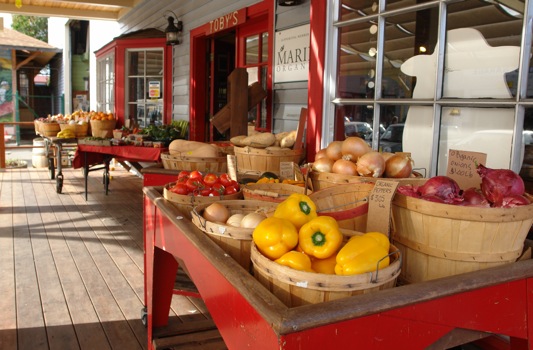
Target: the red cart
(435, 314)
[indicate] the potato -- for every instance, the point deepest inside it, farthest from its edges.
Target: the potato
(237, 140)
(193, 149)
(289, 140)
(261, 140)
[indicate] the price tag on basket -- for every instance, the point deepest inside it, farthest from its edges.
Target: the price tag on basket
(232, 167)
(379, 206)
(462, 167)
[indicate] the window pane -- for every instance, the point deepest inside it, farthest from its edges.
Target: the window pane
(252, 49)
(351, 9)
(136, 90)
(410, 40)
(154, 63)
(357, 61)
(136, 63)
(483, 48)
(527, 164)
(264, 49)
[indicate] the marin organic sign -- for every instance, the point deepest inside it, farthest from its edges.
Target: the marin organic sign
(291, 57)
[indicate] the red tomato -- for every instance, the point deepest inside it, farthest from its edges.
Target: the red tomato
(236, 185)
(194, 184)
(184, 174)
(225, 179)
(205, 191)
(219, 189)
(180, 188)
(210, 179)
(230, 190)
(195, 174)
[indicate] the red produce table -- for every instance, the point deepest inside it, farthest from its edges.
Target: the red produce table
(435, 314)
(87, 156)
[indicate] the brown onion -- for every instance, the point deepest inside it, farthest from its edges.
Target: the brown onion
(398, 166)
(386, 155)
(321, 154)
(354, 147)
(344, 166)
(334, 150)
(371, 164)
(323, 165)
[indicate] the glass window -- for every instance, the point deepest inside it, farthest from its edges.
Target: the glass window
(457, 64)
(252, 49)
(256, 64)
(144, 94)
(105, 91)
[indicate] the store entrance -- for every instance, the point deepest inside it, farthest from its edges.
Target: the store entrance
(220, 63)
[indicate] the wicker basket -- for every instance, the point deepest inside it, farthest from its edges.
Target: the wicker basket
(236, 241)
(296, 288)
(256, 161)
(207, 164)
(187, 202)
(320, 181)
(348, 204)
(271, 192)
(438, 240)
(80, 130)
(49, 129)
(103, 128)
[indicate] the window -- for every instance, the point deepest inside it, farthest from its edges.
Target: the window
(256, 63)
(449, 72)
(144, 86)
(105, 94)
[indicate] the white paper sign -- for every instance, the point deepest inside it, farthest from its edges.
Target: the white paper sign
(291, 56)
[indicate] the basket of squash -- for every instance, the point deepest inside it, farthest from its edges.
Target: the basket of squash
(264, 152)
(194, 155)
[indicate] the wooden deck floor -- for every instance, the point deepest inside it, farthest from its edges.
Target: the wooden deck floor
(71, 270)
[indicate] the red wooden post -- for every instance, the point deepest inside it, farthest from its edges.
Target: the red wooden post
(2, 148)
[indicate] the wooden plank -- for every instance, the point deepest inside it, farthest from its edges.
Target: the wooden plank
(82, 313)
(59, 329)
(8, 321)
(238, 101)
(300, 131)
(30, 324)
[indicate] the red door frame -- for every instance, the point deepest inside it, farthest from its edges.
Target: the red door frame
(198, 40)
(119, 47)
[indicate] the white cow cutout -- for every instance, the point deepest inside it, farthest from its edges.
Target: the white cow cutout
(473, 70)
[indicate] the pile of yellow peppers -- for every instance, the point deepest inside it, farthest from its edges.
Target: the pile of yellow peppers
(295, 236)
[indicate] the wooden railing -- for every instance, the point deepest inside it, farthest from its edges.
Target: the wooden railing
(3, 146)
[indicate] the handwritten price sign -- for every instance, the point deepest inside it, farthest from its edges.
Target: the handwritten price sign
(379, 206)
(462, 167)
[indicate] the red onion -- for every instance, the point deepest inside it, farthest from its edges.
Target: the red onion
(443, 187)
(433, 198)
(514, 201)
(496, 184)
(473, 197)
(408, 190)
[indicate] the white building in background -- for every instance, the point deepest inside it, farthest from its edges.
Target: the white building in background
(60, 34)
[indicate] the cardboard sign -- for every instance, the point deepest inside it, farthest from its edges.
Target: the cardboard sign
(462, 167)
(286, 170)
(379, 206)
(232, 167)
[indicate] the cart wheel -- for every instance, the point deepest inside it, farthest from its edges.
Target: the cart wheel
(144, 316)
(51, 168)
(59, 183)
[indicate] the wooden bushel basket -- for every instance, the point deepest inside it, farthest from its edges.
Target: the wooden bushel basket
(295, 288)
(103, 128)
(348, 204)
(271, 192)
(187, 202)
(438, 240)
(236, 241)
(80, 130)
(256, 161)
(49, 129)
(207, 164)
(320, 181)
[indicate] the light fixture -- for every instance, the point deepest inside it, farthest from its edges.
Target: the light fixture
(289, 2)
(172, 30)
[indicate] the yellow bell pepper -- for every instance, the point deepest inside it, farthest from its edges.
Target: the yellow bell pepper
(275, 237)
(362, 253)
(320, 237)
(298, 208)
(326, 266)
(296, 260)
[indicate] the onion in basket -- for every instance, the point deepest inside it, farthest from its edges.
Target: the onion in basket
(251, 220)
(216, 212)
